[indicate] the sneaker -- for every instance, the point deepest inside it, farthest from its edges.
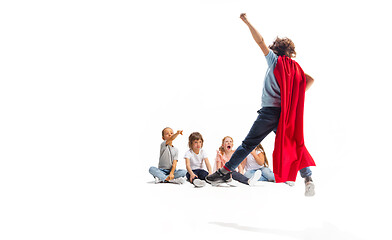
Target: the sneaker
(157, 180)
(253, 180)
(218, 177)
(309, 187)
(180, 180)
(198, 183)
(290, 183)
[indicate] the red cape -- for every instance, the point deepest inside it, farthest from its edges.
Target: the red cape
(290, 154)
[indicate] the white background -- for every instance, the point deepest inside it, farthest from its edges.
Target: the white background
(87, 87)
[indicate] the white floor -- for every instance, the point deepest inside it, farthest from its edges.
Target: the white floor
(265, 211)
(112, 203)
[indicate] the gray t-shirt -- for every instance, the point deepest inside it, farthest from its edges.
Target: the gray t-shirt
(271, 90)
(167, 155)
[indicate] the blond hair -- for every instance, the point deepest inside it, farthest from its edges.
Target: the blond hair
(221, 149)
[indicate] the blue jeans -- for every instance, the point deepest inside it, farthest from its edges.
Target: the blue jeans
(266, 122)
(305, 172)
(266, 174)
(162, 174)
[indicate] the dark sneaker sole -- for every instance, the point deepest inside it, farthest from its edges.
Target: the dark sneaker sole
(216, 183)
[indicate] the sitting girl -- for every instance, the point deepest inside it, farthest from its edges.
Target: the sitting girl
(257, 160)
(224, 154)
(196, 161)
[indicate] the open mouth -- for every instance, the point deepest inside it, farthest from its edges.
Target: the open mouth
(228, 147)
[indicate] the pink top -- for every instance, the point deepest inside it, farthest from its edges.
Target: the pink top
(221, 158)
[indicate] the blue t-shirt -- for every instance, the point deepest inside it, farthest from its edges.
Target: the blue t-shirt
(271, 90)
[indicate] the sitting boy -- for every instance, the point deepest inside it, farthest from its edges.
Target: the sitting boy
(166, 171)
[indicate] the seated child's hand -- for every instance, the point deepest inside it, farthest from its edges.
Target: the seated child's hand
(170, 177)
(192, 176)
(179, 132)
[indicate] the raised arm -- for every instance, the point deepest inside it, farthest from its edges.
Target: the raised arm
(171, 139)
(218, 161)
(256, 35)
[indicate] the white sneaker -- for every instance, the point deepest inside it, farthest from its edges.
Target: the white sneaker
(198, 183)
(180, 180)
(290, 183)
(157, 180)
(309, 189)
(253, 180)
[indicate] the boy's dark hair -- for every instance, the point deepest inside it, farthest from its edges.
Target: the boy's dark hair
(283, 47)
(195, 136)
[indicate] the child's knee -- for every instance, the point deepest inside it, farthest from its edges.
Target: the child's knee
(181, 173)
(203, 174)
(266, 170)
(152, 170)
(249, 174)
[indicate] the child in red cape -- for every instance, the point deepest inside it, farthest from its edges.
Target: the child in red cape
(282, 112)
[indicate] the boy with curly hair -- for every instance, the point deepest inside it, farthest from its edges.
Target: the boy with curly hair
(282, 112)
